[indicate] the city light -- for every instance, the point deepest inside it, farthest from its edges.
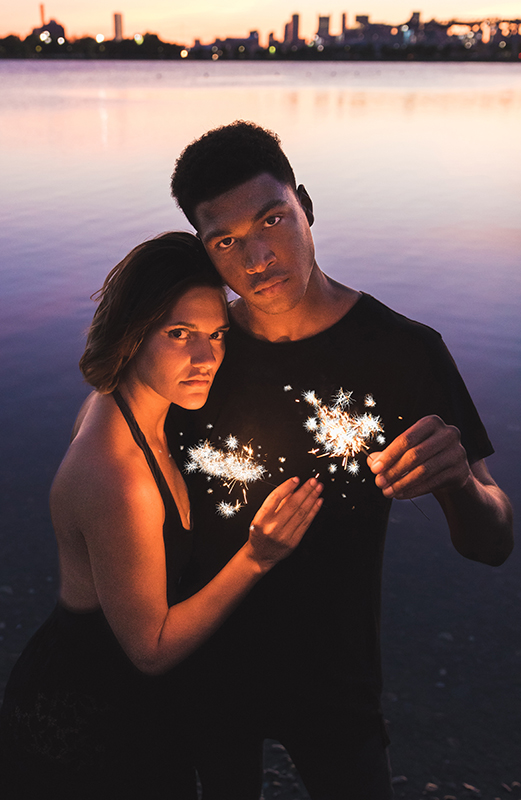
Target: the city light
(487, 38)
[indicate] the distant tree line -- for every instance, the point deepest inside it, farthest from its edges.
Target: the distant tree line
(151, 47)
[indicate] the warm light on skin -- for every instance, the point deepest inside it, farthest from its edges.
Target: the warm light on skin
(259, 238)
(179, 358)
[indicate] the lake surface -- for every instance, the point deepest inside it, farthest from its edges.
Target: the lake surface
(415, 173)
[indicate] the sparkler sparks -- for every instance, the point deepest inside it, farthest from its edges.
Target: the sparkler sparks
(339, 433)
(231, 467)
(228, 510)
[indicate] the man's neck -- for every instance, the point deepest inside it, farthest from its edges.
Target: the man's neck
(324, 303)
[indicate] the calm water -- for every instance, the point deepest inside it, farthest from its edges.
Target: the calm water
(415, 172)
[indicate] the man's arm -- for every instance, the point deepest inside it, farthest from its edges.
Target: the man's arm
(429, 458)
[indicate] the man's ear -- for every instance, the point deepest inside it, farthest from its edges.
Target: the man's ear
(306, 203)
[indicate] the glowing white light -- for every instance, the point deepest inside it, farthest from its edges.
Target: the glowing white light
(369, 401)
(139, 38)
(230, 467)
(339, 433)
(228, 510)
(183, 53)
(332, 468)
(342, 399)
(100, 38)
(288, 388)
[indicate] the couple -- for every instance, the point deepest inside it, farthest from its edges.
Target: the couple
(183, 638)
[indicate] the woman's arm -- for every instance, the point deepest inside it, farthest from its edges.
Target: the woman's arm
(122, 525)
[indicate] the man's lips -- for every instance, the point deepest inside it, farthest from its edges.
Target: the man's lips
(267, 285)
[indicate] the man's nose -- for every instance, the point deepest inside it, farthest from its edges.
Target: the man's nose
(257, 256)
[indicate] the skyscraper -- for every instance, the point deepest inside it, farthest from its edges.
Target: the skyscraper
(291, 30)
(118, 27)
(323, 27)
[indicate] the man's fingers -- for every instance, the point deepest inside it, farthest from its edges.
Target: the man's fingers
(425, 477)
(423, 434)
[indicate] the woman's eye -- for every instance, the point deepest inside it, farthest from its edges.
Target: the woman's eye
(271, 221)
(225, 243)
(178, 333)
(218, 336)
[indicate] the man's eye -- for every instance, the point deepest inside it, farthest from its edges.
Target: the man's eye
(178, 333)
(271, 221)
(225, 243)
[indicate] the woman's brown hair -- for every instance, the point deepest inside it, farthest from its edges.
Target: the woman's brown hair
(135, 296)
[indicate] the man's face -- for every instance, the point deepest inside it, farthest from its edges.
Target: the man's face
(258, 237)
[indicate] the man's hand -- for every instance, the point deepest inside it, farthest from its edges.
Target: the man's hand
(429, 457)
(425, 458)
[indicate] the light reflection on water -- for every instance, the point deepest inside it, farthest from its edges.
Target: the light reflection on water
(415, 175)
(414, 171)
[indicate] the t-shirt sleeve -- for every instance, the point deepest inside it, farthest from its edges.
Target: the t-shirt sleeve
(443, 392)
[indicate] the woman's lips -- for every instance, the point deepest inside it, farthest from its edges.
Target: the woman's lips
(197, 383)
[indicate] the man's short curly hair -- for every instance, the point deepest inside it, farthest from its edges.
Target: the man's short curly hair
(223, 159)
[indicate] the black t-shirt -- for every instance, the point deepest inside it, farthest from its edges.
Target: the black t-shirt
(313, 620)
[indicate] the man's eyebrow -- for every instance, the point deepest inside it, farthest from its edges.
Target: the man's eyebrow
(219, 232)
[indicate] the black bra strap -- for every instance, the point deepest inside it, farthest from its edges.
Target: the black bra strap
(142, 443)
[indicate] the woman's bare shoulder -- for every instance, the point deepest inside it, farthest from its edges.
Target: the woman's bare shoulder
(102, 460)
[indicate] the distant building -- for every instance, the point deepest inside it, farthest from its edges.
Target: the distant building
(53, 28)
(229, 47)
(118, 27)
(291, 34)
(323, 28)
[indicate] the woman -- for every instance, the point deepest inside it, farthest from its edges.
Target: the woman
(82, 715)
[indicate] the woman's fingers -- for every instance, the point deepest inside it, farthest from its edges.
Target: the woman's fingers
(286, 501)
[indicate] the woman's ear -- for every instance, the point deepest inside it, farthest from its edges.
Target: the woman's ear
(306, 203)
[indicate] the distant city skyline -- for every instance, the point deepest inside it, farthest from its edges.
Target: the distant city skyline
(235, 18)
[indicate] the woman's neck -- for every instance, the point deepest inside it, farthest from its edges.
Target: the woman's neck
(149, 410)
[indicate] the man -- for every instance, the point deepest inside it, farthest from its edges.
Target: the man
(318, 379)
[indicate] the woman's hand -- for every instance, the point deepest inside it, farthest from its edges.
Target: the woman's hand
(282, 520)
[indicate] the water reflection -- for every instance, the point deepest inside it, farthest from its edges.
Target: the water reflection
(415, 175)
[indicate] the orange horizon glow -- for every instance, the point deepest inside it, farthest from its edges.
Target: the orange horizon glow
(235, 19)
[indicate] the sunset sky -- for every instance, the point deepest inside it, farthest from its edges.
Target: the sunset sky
(208, 19)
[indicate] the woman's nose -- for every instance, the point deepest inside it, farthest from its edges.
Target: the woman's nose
(202, 352)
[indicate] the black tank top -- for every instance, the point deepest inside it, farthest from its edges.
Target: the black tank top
(178, 540)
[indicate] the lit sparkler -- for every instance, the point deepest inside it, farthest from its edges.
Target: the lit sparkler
(236, 465)
(228, 510)
(339, 433)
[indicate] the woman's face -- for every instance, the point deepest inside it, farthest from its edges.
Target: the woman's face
(179, 358)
